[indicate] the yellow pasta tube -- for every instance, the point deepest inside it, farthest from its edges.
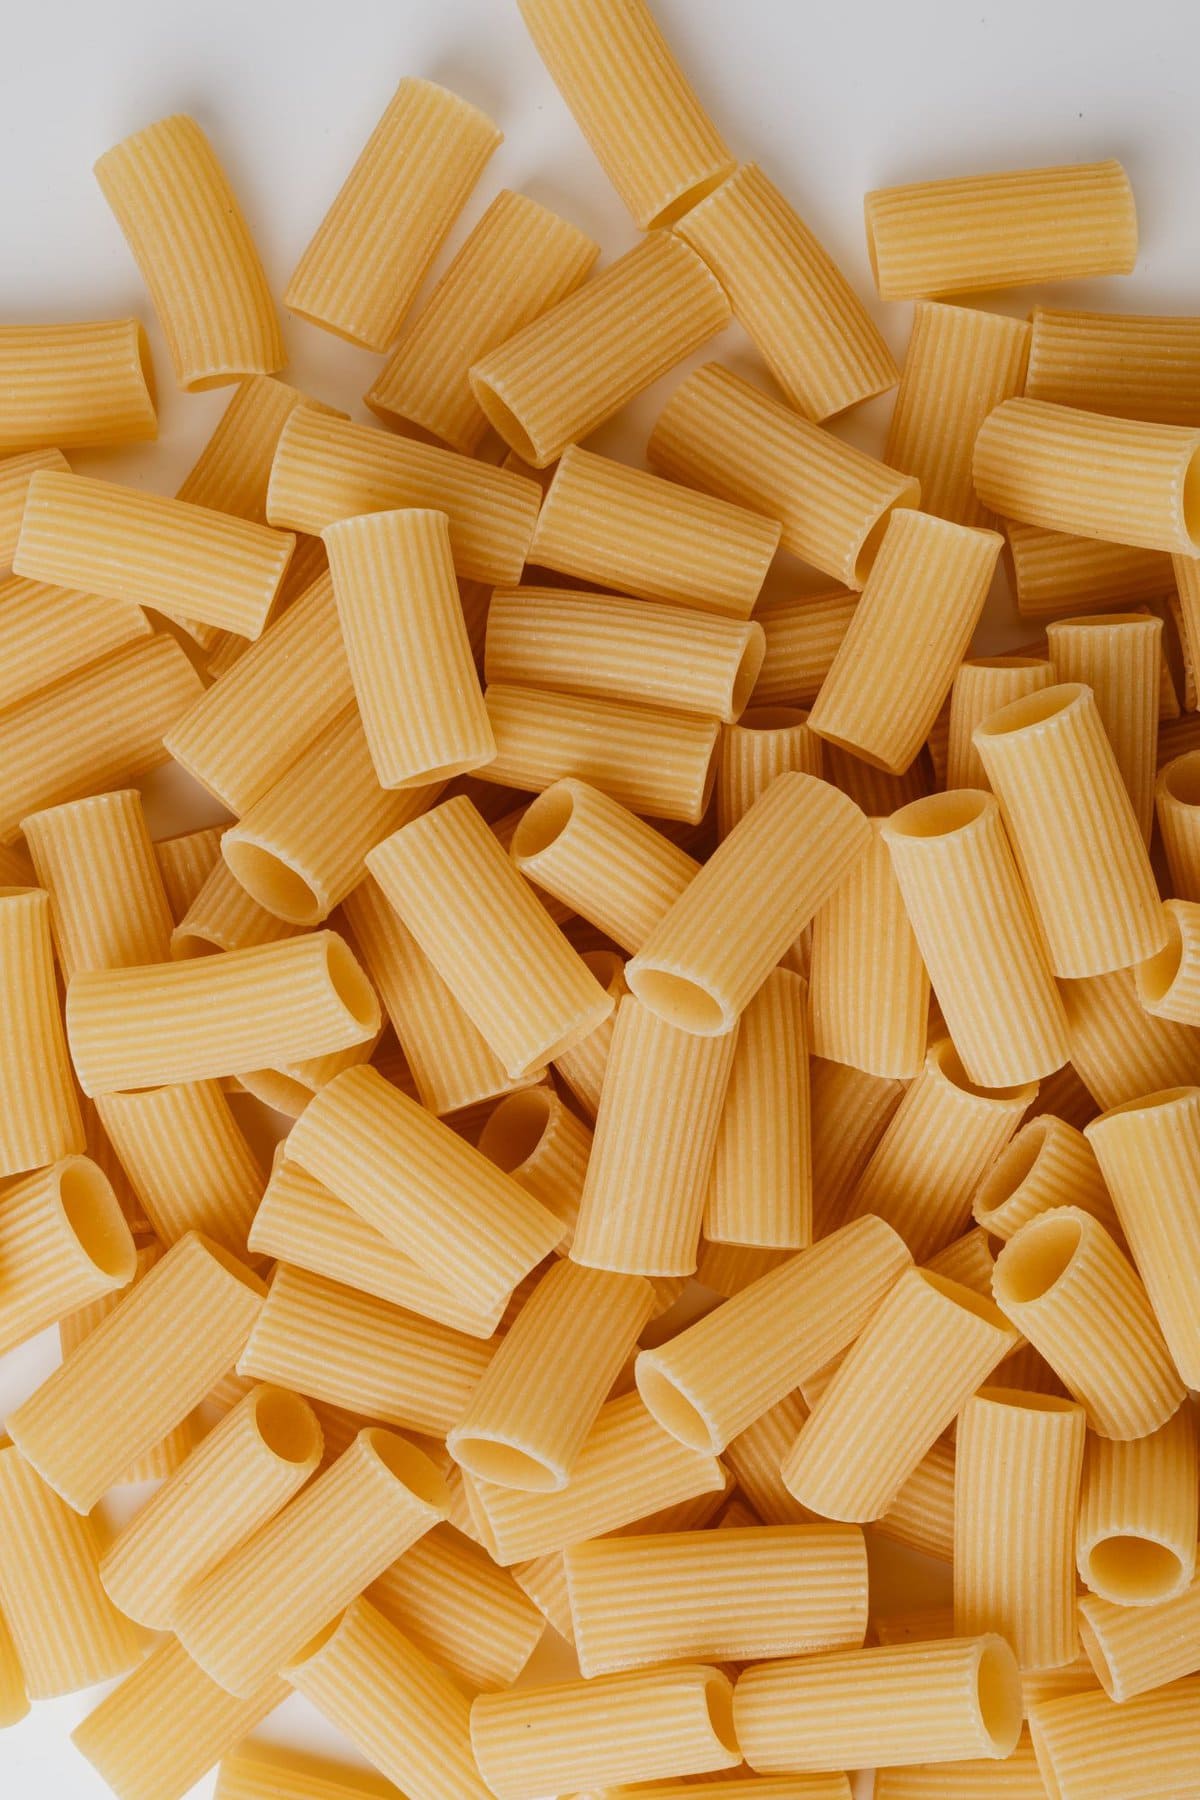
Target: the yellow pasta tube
(182, 222)
(76, 386)
(535, 1137)
(981, 687)
(1118, 656)
(1064, 1284)
(960, 364)
(16, 472)
(639, 1724)
(1135, 1649)
(63, 1243)
(66, 1631)
(47, 632)
(1016, 1778)
(406, 642)
(710, 1382)
(189, 1126)
(1136, 1542)
(895, 1704)
(233, 470)
(720, 433)
(480, 925)
(223, 916)
(945, 568)
(1121, 1050)
(95, 860)
(467, 1224)
(526, 260)
(1177, 804)
(850, 1112)
(582, 1067)
(14, 1703)
(1087, 1748)
(1055, 572)
(862, 938)
(922, 1514)
(240, 1476)
(763, 743)
(1129, 365)
(1167, 984)
(194, 1722)
(40, 1120)
(520, 1429)
(185, 862)
(1186, 607)
(978, 938)
(940, 1142)
(802, 636)
(1074, 831)
(972, 232)
(1048, 1163)
(755, 1456)
(1016, 1491)
(268, 1772)
(969, 1260)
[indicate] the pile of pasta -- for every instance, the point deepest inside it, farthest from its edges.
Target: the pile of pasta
(740, 1056)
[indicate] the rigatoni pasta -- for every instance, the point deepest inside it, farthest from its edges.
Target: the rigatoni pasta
(75, 386)
(1137, 1514)
(981, 687)
(1089, 1748)
(1048, 1163)
(1126, 364)
(47, 632)
(64, 1243)
(255, 1770)
(1121, 1050)
(40, 1120)
(763, 743)
(535, 1137)
(802, 636)
(1056, 572)
(1118, 656)
(94, 857)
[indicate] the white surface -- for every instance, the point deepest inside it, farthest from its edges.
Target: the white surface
(833, 99)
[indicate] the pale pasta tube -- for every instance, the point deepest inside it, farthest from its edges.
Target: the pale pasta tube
(960, 364)
(601, 860)
(40, 1120)
(761, 1186)
(1016, 1778)
(978, 938)
(941, 1140)
(1168, 985)
(651, 1160)
(232, 472)
(709, 1383)
(970, 232)
(351, 1349)
(560, 377)
(467, 1224)
(1118, 656)
(883, 690)
(223, 916)
(1063, 1094)
(77, 386)
(1016, 1490)
(1177, 805)
(1074, 831)
(895, 1704)
(1065, 1285)
(850, 1113)
(525, 259)
(1048, 1163)
(582, 1067)
(195, 1723)
(1137, 1514)
(47, 632)
(66, 1631)
(1090, 475)
(536, 1138)
(725, 436)
(622, 528)
(1149, 1156)
(218, 1015)
(981, 687)
(1126, 364)
(168, 1342)
(1088, 1748)
(300, 1222)
(1120, 1050)
(694, 969)
(15, 475)
(236, 1479)
(120, 709)
(544, 1580)
(862, 939)
(185, 863)
(756, 1455)
(406, 642)
(922, 1514)
(764, 742)
(802, 636)
(1135, 1649)
(1186, 610)
(94, 857)
(636, 1725)
(479, 923)
(659, 763)
(327, 469)
(449, 1599)
(257, 1771)
(182, 222)
(63, 1243)
(814, 333)
(1041, 1685)
(14, 1702)
(521, 1428)
(1056, 572)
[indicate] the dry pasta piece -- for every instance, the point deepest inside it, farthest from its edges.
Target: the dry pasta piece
(894, 1704)
(326, 469)
(763, 743)
(1177, 805)
(579, 1734)
(469, 1226)
(240, 1476)
(725, 436)
(969, 1260)
(709, 1383)
(1016, 1778)
(754, 1458)
(1186, 610)
(223, 916)
(605, 523)
(1135, 1649)
(1017, 1472)
(1063, 1282)
(1048, 1163)
(63, 1244)
(108, 908)
(1087, 1748)
(922, 1514)
(1074, 832)
(1136, 1542)
(960, 364)
(1118, 655)
(582, 1067)
(981, 687)
(185, 863)
(831, 1786)
(1168, 984)
(1119, 1049)
(971, 232)
(850, 1113)
(40, 1120)
(268, 1772)
(863, 942)
(803, 635)
(14, 1702)
(66, 1631)
(182, 222)
(1055, 572)
(74, 386)
(16, 472)
(47, 632)
(536, 1138)
(1128, 365)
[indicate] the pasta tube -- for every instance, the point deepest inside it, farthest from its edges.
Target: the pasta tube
(850, 1113)
(16, 472)
(1048, 1163)
(223, 916)
(75, 386)
(802, 636)
(1167, 984)
(255, 1771)
(63, 1243)
(40, 1120)
(1055, 572)
(536, 1138)
(765, 742)
(582, 1067)
(1177, 804)
(1087, 1749)
(1118, 656)
(95, 860)
(191, 1126)
(922, 1514)
(185, 862)
(761, 1187)
(981, 687)
(14, 1702)
(1137, 1514)
(1125, 364)
(1119, 1049)
(47, 632)
(1135, 1649)
(1016, 1778)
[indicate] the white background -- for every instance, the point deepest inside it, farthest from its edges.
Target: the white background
(833, 99)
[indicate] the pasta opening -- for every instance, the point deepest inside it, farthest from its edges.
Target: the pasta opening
(1095, 1654)
(505, 1465)
(1132, 1570)
(869, 549)
(282, 1093)
(687, 198)
(938, 815)
(410, 1466)
(1036, 1259)
(1011, 1169)
(718, 1698)
(146, 363)
(506, 422)
(516, 1128)
(1006, 662)
(272, 882)
(966, 1297)
(606, 966)
(545, 820)
(679, 1001)
(1157, 976)
(1181, 779)
(1026, 1401)
(190, 943)
(998, 1686)
(773, 718)
(1191, 500)
(672, 1408)
(287, 1425)
(349, 983)
(96, 1219)
(315, 1644)
(950, 1064)
(229, 1262)
(1031, 709)
(748, 670)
